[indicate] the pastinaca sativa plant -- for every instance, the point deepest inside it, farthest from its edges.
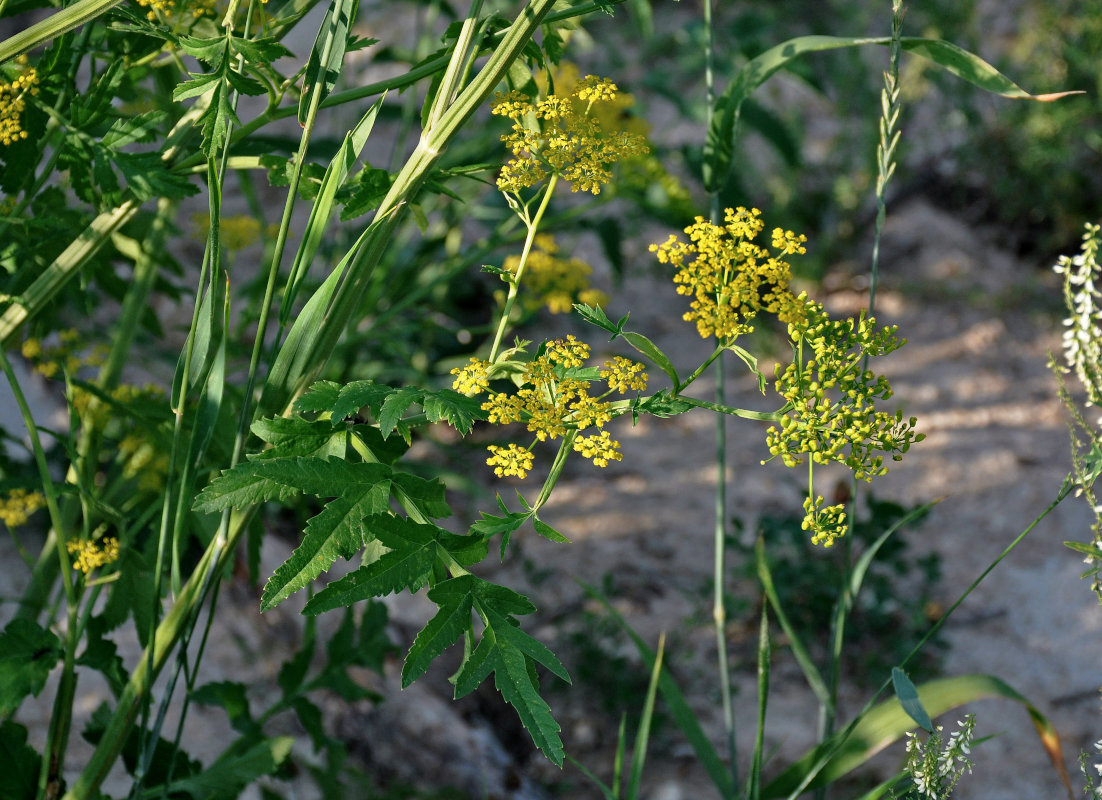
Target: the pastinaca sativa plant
(112, 117)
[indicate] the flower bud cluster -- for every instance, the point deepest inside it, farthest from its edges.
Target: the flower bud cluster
(558, 135)
(833, 415)
(89, 555)
(551, 401)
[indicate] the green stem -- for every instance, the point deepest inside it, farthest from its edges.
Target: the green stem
(885, 168)
(514, 283)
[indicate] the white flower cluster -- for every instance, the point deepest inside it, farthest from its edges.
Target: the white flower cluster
(934, 769)
(1083, 337)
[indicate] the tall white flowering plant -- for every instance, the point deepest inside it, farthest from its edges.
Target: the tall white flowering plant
(1082, 346)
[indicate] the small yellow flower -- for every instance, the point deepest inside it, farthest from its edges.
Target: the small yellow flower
(624, 375)
(17, 507)
(89, 556)
(729, 276)
(560, 135)
(13, 101)
(511, 460)
(599, 448)
(473, 378)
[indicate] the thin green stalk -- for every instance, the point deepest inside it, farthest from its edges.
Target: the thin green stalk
(825, 757)
(514, 283)
(60, 719)
(719, 610)
(885, 157)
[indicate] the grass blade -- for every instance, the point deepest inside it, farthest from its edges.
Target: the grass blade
(803, 658)
(887, 722)
(675, 701)
(639, 751)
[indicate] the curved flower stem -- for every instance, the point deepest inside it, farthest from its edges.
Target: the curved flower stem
(532, 224)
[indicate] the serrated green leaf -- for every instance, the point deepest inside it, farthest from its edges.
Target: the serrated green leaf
(477, 667)
(595, 315)
(392, 572)
(291, 437)
(336, 531)
(319, 397)
(358, 394)
(137, 128)
(258, 481)
(512, 680)
(508, 634)
(466, 550)
(365, 194)
(502, 599)
(455, 599)
(27, 654)
(456, 409)
(395, 405)
(428, 495)
(260, 49)
(663, 404)
(210, 50)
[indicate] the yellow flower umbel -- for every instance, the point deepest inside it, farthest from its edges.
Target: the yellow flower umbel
(730, 277)
(562, 135)
(13, 101)
(89, 556)
(830, 412)
(555, 282)
(553, 402)
(17, 507)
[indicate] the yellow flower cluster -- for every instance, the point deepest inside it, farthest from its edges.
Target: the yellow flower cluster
(555, 282)
(730, 277)
(624, 375)
(830, 413)
(552, 401)
(49, 360)
(17, 507)
(511, 460)
(88, 556)
(562, 135)
(13, 101)
(236, 232)
(157, 7)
